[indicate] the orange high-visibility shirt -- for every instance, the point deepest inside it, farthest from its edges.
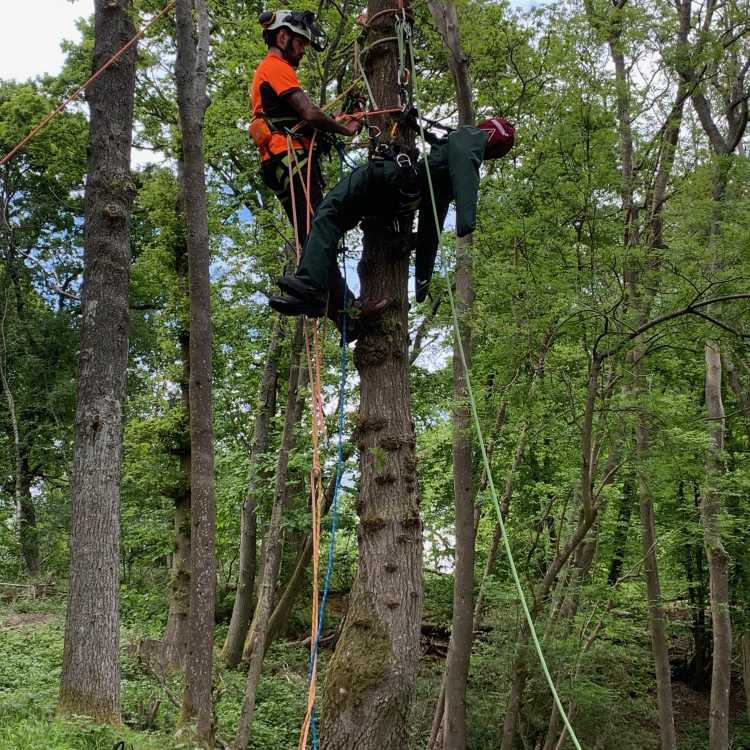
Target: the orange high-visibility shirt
(273, 81)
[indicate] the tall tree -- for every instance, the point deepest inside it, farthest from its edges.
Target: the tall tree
(462, 630)
(191, 73)
(90, 680)
(370, 680)
(177, 630)
(730, 84)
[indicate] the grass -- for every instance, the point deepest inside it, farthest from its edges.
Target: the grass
(31, 645)
(615, 697)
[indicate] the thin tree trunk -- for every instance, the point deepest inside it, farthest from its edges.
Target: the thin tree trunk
(718, 560)
(90, 680)
(370, 680)
(657, 618)
(242, 611)
(459, 648)
(640, 308)
(190, 72)
(746, 670)
(462, 635)
(27, 531)
(177, 630)
(280, 617)
(291, 487)
(272, 548)
(624, 511)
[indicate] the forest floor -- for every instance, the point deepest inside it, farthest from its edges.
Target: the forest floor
(31, 642)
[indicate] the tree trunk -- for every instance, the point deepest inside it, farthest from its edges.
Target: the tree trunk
(177, 631)
(272, 547)
(624, 511)
(657, 619)
(242, 611)
(280, 617)
(190, 72)
(27, 530)
(90, 680)
(462, 633)
(371, 678)
(290, 488)
(746, 670)
(718, 560)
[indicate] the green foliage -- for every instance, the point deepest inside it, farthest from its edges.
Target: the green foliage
(549, 266)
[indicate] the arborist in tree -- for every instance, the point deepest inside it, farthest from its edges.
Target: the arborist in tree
(387, 188)
(283, 111)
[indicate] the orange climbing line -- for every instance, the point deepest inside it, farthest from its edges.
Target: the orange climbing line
(51, 115)
(314, 358)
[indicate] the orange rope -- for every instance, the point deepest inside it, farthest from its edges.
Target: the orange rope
(318, 423)
(49, 117)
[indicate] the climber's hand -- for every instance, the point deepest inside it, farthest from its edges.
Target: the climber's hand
(352, 125)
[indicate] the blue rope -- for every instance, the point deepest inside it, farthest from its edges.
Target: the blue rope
(336, 490)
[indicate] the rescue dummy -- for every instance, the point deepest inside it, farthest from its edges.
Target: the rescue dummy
(389, 185)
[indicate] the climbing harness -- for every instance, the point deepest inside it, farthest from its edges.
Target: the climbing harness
(117, 55)
(483, 448)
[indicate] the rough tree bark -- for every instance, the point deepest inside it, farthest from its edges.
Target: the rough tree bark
(242, 611)
(190, 72)
(90, 680)
(272, 546)
(459, 648)
(370, 680)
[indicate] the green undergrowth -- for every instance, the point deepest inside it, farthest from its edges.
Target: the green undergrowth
(31, 646)
(612, 690)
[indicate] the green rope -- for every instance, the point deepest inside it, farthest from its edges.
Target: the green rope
(478, 428)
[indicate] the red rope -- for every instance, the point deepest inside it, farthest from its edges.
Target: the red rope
(50, 116)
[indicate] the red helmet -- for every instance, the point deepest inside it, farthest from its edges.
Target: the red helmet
(502, 134)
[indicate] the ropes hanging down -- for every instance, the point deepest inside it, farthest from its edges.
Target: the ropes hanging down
(51, 115)
(314, 364)
(480, 439)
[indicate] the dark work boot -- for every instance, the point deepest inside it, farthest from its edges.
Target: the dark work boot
(293, 306)
(302, 290)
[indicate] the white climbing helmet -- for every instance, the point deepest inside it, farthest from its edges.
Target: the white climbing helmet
(301, 22)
